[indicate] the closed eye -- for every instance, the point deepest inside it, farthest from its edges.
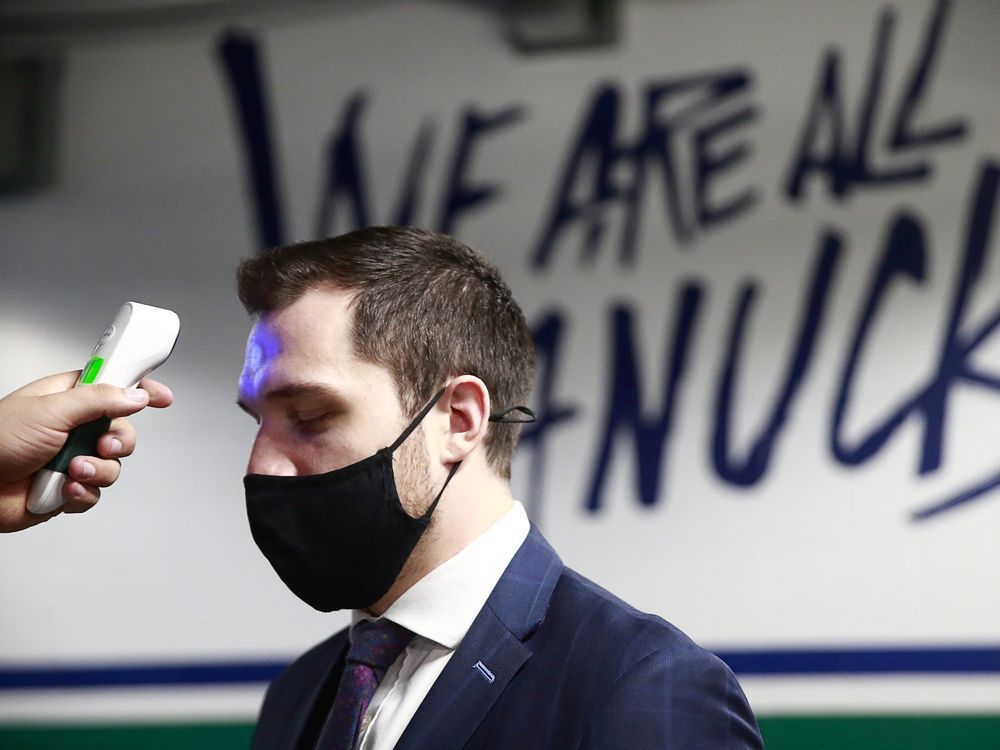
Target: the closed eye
(310, 423)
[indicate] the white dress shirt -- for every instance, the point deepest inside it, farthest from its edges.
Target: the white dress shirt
(439, 609)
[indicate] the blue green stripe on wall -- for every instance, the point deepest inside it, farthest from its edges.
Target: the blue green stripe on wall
(949, 732)
(856, 661)
(900, 732)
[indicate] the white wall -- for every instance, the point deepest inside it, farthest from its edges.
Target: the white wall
(152, 206)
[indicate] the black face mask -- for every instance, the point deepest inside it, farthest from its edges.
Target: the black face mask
(339, 540)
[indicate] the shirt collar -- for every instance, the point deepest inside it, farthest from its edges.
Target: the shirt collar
(442, 605)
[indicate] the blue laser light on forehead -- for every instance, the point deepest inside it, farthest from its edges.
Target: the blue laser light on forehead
(262, 347)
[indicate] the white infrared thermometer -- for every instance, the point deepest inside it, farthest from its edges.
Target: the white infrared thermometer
(139, 340)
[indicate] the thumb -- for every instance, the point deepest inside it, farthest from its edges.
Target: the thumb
(77, 406)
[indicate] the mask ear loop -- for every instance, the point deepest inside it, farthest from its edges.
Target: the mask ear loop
(526, 416)
(416, 420)
(502, 417)
(426, 517)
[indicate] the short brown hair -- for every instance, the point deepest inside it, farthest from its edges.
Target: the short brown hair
(428, 307)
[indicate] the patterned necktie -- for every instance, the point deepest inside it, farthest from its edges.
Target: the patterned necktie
(374, 647)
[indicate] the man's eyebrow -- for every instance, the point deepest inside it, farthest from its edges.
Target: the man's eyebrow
(300, 390)
(294, 390)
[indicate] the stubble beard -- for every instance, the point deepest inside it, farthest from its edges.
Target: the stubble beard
(412, 473)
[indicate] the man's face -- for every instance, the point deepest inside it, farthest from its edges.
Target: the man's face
(319, 407)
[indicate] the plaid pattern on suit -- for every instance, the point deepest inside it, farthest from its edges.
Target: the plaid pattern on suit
(552, 661)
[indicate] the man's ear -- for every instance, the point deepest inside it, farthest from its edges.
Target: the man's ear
(467, 401)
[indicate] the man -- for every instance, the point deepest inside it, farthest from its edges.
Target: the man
(35, 421)
(387, 371)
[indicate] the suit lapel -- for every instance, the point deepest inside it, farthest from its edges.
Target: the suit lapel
(481, 667)
(303, 728)
(491, 653)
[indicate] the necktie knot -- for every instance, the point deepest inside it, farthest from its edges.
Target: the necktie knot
(377, 644)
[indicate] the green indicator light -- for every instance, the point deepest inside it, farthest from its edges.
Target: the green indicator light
(90, 373)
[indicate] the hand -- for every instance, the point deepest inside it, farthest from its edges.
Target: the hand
(34, 423)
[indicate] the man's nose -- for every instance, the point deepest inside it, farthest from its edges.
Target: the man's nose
(267, 457)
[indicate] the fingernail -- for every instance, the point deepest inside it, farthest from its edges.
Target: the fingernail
(87, 470)
(136, 394)
(115, 445)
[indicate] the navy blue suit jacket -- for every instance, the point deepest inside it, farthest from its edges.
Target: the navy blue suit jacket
(551, 661)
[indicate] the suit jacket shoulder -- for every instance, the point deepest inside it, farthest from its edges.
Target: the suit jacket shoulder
(555, 661)
(619, 677)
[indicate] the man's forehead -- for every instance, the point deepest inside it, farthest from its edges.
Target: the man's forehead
(263, 348)
(263, 344)
(308, 340)
(328, 300)
(316, 323)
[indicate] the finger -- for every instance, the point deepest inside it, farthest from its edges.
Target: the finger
(96, 472)
(78, 497)
(160, 395)
(80, 405)
(49, 384)
(118, 441)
